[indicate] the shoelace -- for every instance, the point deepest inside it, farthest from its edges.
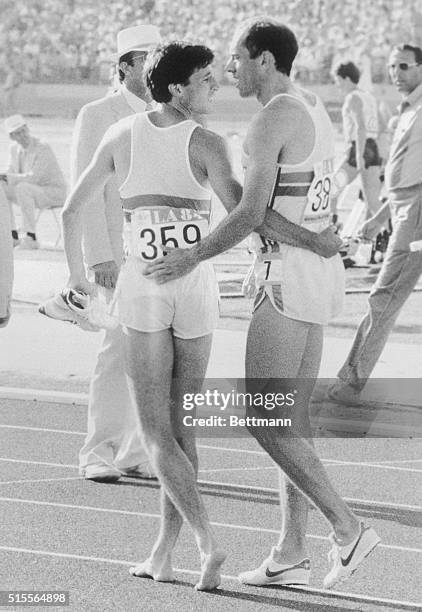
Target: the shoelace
(334, 552)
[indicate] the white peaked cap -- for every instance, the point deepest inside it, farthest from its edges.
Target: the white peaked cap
(14, 122)
(137, 38)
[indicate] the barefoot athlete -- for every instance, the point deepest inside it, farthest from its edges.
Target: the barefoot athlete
(289, 155)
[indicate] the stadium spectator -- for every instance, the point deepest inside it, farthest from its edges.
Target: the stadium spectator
(10, 90)
(68, 41)
(33, 178)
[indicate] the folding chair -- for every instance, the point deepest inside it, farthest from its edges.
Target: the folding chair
(55, 212)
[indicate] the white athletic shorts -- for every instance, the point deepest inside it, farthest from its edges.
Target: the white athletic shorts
(188, 305)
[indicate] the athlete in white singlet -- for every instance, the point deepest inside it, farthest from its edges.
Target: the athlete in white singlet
(163, 162)
(361, 130)
(290, 148)
(300, 284)
(165, 204)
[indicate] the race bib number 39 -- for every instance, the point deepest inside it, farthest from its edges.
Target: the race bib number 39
(150, 229)
(317, 211)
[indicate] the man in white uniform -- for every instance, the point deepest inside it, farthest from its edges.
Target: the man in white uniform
(113, 445)
(289, 152)
(168, 330)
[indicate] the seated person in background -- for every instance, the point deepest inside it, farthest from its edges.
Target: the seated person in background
(33, 178)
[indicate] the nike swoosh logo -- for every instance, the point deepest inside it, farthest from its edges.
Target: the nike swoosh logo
(301, 565)
(345, 562)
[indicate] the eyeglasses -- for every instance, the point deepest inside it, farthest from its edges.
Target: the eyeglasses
(402, 65)
(141, 56)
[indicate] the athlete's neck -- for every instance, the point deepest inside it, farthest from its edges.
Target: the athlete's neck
(271, 88)
(179, 110)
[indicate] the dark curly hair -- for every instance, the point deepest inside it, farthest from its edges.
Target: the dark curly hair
(172, 64)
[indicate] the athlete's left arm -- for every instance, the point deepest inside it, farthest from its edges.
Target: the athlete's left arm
(356, 112)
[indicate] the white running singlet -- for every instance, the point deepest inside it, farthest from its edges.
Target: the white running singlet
(370, 114)
(300, 284)
(164, 204)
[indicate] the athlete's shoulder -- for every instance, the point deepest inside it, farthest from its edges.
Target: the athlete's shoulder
(127, 122)
(354, 98)
(289, 108)
(120, 130)
(207, 139)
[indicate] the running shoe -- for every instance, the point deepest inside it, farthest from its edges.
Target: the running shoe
(270, 572)
(144, 471)
(101, 473)
(346, 559)
(70, 306)
(5, 320)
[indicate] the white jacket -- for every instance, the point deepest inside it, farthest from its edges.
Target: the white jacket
(102, 226)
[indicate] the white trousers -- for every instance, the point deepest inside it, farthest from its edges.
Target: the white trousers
(29, 197)
(6, 255)
(113, 424)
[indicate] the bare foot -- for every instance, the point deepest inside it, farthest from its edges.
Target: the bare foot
(210, 574)
(148, 569)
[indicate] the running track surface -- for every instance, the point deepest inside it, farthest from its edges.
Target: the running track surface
(60, 532)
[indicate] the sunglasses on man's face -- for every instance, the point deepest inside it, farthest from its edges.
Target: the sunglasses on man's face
(141, 56)
(402, 65)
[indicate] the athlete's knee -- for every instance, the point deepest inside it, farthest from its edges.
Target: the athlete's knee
(188, 446)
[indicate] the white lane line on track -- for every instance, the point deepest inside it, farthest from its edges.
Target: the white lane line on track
(391, 461)
(37, 502)
(327, 463)
(358, 597)
(379, 464)
(233, 450)
(244, 488)
(269, 490)
(239, 469)
(60, 465)
(382, 465)
(60, 431)
(26, 480)
(43, 395)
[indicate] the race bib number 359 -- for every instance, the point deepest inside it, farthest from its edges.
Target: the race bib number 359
(175, 227)
(317, 211)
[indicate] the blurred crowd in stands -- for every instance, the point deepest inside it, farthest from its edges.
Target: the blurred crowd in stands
(72, 40)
